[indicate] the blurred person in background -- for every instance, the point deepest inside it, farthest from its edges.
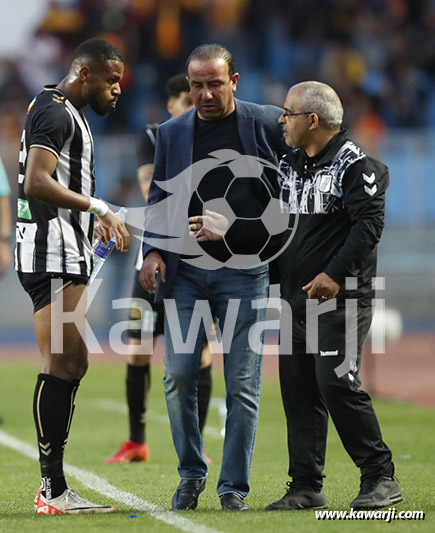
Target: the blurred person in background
(138, 379)
(5, 226)
(5, 222)
(55, 223)
(339, 192)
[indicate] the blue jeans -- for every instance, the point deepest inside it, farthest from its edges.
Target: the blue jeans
(242, 370)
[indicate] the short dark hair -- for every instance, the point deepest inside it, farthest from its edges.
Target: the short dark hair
(176, 85)
(97, 50)
(212, 51)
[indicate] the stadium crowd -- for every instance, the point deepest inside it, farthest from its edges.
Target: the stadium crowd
(379, 53)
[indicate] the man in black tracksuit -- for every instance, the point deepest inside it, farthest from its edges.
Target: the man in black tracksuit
(338, 192)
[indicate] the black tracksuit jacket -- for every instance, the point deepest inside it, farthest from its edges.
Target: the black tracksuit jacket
(339, 196)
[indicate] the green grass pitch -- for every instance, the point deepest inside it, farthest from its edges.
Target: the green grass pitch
(99, 425)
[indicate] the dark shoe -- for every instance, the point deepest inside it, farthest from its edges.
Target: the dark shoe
(233, 502)
(187, 494)
(376, 493)
(297, 498)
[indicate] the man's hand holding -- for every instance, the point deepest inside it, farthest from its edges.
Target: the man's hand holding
(113, 225)
(152, 263)
(322, 287)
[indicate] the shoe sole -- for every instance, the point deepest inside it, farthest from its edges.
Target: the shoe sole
(191, 507)
(379, 505)
(235, 509)
(268, 508)
(134, 459)
(77, 511)
(91, 511)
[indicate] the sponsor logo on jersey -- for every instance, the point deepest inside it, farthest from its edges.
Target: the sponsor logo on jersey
(24, 209)
(325, 183)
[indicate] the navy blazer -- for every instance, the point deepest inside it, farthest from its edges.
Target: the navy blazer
(260, 134)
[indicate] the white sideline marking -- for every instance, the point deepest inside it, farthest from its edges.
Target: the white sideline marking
(103, 487)
(119, 407)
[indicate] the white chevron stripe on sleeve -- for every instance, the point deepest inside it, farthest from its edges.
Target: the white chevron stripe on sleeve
(371, 190)
(369, 179)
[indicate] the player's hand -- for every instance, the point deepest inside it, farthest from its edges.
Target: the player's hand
(113, 225)
(210, 227)
(322, 287)
(152, 263)
(99, 233)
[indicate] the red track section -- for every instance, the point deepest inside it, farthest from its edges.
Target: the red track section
(405, 372)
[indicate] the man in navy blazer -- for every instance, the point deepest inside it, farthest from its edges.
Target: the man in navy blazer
(219, 123)
(174, 150)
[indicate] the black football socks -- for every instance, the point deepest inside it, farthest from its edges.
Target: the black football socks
(53, 408)
(204, 392)
(138, 383)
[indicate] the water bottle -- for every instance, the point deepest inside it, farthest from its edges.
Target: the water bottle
(102, 252)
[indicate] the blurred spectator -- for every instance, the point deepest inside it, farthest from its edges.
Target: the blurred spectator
(378, 50)
(40, 61)
(5, 222)
(368, 128)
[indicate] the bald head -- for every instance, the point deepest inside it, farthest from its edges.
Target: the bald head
(319, 98)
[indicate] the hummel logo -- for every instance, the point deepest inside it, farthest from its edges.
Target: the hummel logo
(371, 191)
(45, 448)
(331, 352)
(369, 179)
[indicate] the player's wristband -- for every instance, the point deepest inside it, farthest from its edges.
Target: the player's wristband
(97, 207)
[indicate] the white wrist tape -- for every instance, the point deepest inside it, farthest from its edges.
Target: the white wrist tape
(97, 207)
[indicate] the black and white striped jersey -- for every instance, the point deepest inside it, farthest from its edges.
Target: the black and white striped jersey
(52, 239)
